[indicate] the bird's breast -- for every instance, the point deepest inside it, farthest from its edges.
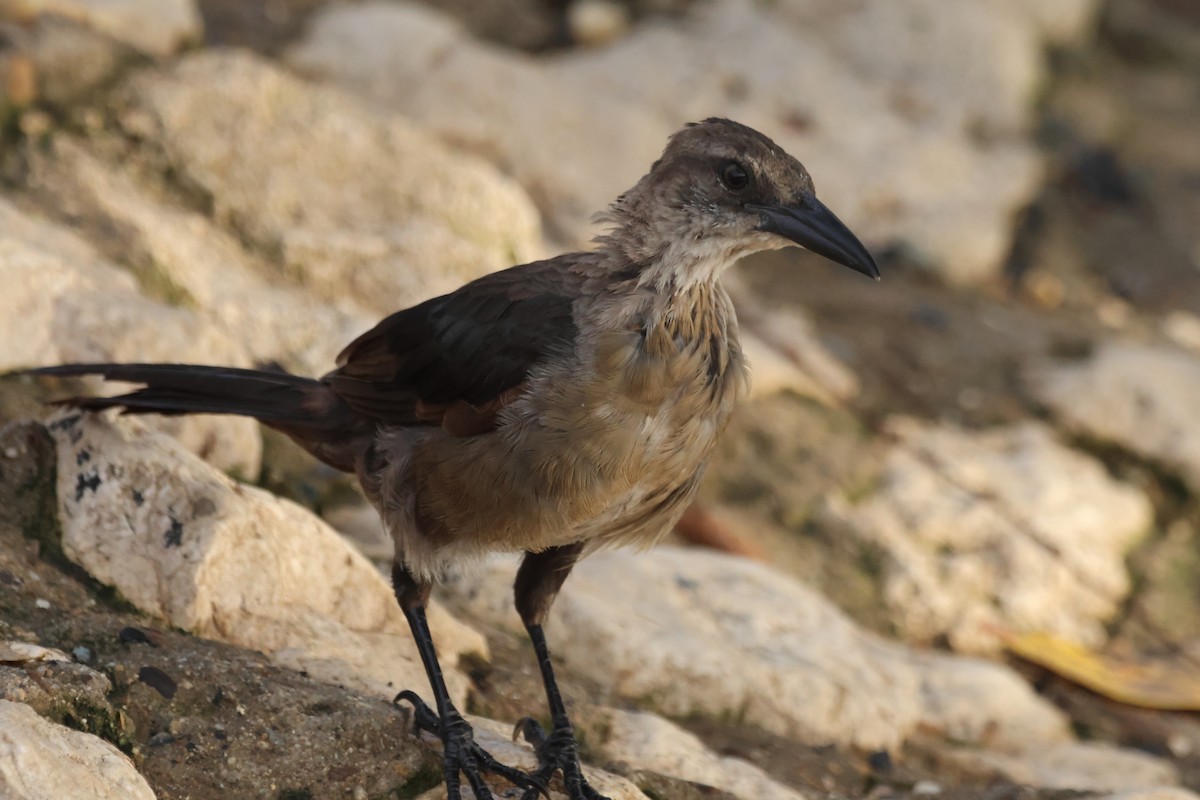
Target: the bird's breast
(650, 395)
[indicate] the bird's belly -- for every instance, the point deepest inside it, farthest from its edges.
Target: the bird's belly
(568, 461)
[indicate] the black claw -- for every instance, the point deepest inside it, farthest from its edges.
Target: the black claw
(556, 752)
(424, 717)
(461, 754)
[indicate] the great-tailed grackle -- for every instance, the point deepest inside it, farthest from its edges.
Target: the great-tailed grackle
(550, 408)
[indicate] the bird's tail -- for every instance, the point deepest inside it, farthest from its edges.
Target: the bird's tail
(304, 408)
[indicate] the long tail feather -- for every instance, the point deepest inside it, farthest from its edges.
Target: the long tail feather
(304, 408)
(273, 397)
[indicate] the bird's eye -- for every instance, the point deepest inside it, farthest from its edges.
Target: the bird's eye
(734, 176)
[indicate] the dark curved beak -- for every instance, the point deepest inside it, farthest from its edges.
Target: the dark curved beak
(815, 227)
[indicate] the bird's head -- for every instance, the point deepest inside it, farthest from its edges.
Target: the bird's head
(719, 192)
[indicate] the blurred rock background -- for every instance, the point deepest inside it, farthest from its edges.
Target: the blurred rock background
(952, 541)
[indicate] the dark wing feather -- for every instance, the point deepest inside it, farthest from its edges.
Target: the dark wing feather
(469, 346)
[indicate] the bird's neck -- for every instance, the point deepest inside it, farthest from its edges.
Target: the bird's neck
(673, 264)
(686, 265)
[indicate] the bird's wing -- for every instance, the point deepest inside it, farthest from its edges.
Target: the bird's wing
(457, 359)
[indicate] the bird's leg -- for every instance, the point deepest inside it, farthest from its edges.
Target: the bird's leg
(538, 580)
(461, 755)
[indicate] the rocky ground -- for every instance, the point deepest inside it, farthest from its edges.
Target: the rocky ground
(996, 443)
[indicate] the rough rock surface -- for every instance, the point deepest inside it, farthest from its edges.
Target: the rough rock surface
(204, 267)
(650, 625)
(61, 60)
(1086, 766)
(1156, 793)
(355, 203)
(74, 305)
(649, 742)
(62, 302)
(156, 27)
(43, 677)
(1141, 397)
(186, 544)
(957, 97)
(1004, 530)
(39, 759)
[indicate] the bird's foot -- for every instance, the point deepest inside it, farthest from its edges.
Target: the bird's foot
(556, 751)
(462, 755)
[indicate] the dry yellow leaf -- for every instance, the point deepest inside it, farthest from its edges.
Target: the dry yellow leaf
(1148, 683)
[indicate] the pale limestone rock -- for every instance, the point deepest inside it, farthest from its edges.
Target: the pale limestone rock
(646, 741)
(596, 22)
(998, 531)
(355, 203)
(695, 632)
(1141, 397)
(1182, 328)
(67, 61)
(19, 653)
(960, 65)
(1087, 766)
(40, 760)
(1154, 793)
(155, 27)
(578, 128)
(186, 544)
(274, 320)
(64, 303)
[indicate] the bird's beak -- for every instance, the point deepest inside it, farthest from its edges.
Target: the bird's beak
(815, 227)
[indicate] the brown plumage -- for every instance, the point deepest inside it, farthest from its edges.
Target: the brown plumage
(550, 408)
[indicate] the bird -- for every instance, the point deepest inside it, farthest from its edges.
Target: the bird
(551, 408)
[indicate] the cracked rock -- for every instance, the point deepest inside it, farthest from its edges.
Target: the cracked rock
(764, 648)
(186, 544)
(996, 531)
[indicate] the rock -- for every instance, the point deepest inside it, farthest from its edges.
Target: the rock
(39, 759)
(186, 544)
(354, 203)
(75, 306)
(48, 680)
(977, 66)
(645, 741)
(996, 531)
(530, 25)
(687, 632)
(186, 255)
(58, 61)
(1086, 766)
(578, 128)
(1154, 793)
(155, 27)
(1140, 397)
(1182, 328)
(21, 653)
(64, 303)
(597, 22)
